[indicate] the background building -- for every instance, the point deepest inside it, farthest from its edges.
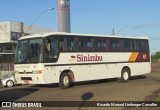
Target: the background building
(11, 31)
(9, 34)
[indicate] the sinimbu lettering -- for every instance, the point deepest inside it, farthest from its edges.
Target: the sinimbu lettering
(83, 58)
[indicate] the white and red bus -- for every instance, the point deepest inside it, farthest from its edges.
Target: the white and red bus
(65, 58)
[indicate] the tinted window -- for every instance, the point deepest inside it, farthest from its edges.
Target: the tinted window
(86, 44)
(145, 45)
(139, 45)
(100, 44)
(126, 45)
(115, 44)
(51, 49)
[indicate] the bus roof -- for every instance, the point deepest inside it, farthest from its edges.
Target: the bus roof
(77, 34)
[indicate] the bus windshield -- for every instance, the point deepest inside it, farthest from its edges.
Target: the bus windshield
(29, 51)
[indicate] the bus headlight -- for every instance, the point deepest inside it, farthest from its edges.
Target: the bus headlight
(40, 71)
(37, 72)
(34, 72)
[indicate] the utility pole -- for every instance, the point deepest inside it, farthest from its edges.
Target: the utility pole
(21, 29)
(113, 32)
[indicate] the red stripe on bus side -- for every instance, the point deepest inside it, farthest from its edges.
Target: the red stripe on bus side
(143, 57)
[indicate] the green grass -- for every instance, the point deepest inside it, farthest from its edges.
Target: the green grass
(157, 98)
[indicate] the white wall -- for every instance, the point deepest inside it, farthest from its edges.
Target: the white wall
(4, 32)
(7, 27)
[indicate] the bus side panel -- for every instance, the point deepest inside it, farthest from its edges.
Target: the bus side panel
(92, 72)
(105, 71)
(140, 68)
(110, 67)
(51, 75)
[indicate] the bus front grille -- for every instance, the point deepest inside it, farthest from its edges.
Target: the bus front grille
(26, 78)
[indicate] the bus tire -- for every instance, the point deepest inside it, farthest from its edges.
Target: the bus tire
(125, 75)
(65, 81)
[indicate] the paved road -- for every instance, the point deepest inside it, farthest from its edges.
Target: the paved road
(140, 88)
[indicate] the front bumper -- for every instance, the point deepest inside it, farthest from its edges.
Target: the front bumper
(29, 78)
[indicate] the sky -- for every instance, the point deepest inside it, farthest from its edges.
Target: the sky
(127, 17)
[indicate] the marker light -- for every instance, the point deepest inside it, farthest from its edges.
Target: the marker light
(39, 71)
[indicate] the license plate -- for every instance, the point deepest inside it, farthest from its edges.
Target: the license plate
(26, 82)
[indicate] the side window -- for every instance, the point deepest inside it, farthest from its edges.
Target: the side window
(121, 45)
(134, 45)
(107, 44)
(115, 44)
(126, 45)
(63, 44)
(89, 44)
(102, 44)
(139, 46)
(75, 44)
(51, 49)
(54, 46)
(48, 46)
(86, 44)
(72, 43)
(82, 46)
(93, 44)
(145, 45)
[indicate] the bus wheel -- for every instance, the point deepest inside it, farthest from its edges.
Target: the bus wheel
(125, 75)
(65, 81)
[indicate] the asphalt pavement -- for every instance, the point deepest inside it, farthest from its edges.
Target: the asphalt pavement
(141, 88)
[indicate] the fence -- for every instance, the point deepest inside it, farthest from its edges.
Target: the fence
(6, 70)
(6, 66)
